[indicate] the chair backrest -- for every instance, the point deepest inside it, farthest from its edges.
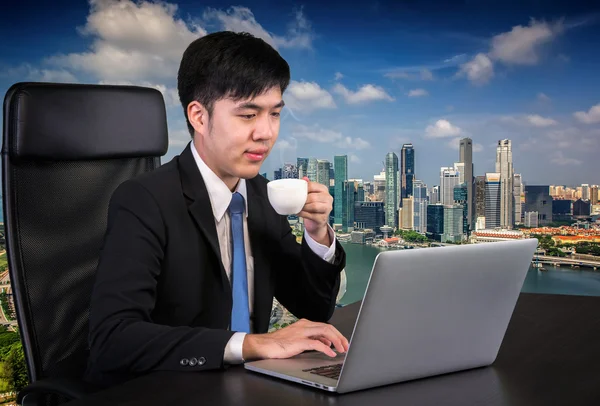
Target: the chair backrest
(66, 147)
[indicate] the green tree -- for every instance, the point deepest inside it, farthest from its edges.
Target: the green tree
(17, 376)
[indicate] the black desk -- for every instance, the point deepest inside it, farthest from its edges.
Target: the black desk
(550, 356)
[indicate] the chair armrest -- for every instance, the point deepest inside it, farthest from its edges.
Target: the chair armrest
(67, 387)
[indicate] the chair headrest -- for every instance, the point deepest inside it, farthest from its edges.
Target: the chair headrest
(57, 121)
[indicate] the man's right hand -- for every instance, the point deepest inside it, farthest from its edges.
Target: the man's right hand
(294, 339)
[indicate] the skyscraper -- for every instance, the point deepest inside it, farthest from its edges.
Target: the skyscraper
(323, 172)
(302, 165)
(517, 193)
(434, 195)
(504, 166)
(391, 189)
(311, 169)
(340, 165)
(407, 170)
(479, 196)
(492, 200)
(449, 178)
(465, 156)
(420, 206)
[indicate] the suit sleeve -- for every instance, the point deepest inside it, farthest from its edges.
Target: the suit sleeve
(123, 337)
(307, 284)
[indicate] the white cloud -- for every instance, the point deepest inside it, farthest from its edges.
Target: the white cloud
(338, 75)
(179, 137)
(477, 147)
(441, 129)
(326, 136)
(417, 93)
(365, 94)
(307, 96)
(354, 159)
(531, 120)
(479, 70)
(426, 74)
(410, 74)
(521, 45)
(539, 121)
(284, 144)
(131, 41)
(542, 97)
(592, 116)
(559, 158)
(240, 19)
(353, 143)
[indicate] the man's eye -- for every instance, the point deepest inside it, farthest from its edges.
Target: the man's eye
(247, 116)
(276, 114)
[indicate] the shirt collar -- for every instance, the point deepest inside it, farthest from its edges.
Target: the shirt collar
(218, 192)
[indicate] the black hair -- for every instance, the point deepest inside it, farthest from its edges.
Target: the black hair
(232, 65)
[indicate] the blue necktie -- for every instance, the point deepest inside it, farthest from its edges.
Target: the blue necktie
(240, 313)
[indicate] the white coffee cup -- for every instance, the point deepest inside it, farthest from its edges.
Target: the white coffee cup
(287, 196)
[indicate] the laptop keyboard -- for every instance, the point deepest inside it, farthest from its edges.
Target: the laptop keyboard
(329, 371)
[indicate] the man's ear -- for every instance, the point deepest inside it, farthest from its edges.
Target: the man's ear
(198, 117)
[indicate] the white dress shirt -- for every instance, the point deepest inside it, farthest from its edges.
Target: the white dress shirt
(220, 198)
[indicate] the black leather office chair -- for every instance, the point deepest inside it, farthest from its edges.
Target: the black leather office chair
(66, 147)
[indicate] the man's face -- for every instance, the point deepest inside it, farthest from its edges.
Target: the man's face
(239, 135)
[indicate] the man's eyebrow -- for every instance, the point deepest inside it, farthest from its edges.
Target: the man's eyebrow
(254, 106)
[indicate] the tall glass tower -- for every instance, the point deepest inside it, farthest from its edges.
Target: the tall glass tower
(391, 190)
(407, 172)
(340, 206)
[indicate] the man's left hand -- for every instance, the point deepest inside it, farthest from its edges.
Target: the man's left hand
(315, 212)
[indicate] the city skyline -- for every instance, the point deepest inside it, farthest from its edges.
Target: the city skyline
(364, 82)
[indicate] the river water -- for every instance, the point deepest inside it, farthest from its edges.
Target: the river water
(562, 280)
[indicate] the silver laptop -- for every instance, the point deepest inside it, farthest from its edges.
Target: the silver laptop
(425, 312)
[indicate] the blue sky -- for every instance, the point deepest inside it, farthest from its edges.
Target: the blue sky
(365, 78)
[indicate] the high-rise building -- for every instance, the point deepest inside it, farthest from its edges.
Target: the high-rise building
(449, 178)
(407, 217)
(290, 171)
(465, 156)
(492, 200)
(379, 187)
(581, 208)
(434, 195)
(461, 197)
(531, 219)
(585, 192)
(480, 196)
(277, 174)
(419, 195)
(391, 187)
(517, 195)
(538, 199)
(311, 169)
(453, 223)
(349, 196)
(369, 215)
(407, 170)
(435, 221)
(594, 194)
(340, 164)
(302, 165)
(504, 166)
(323, 172)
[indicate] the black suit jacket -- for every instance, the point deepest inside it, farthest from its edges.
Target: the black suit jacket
(161, 294)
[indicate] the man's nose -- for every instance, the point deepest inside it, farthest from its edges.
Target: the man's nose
(264, 128)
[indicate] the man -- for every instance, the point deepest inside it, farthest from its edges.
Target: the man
(194, 253)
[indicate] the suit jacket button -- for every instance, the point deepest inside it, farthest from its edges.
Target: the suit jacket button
(193, 362)
(201, 361)
(184, 362)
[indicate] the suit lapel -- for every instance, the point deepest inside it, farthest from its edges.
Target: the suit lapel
(258, 233)
(200, 208)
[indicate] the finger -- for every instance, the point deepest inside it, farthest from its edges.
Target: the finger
(315, 187)
(317, 345)
(323, 340)
(332, 334)
(316, 208)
